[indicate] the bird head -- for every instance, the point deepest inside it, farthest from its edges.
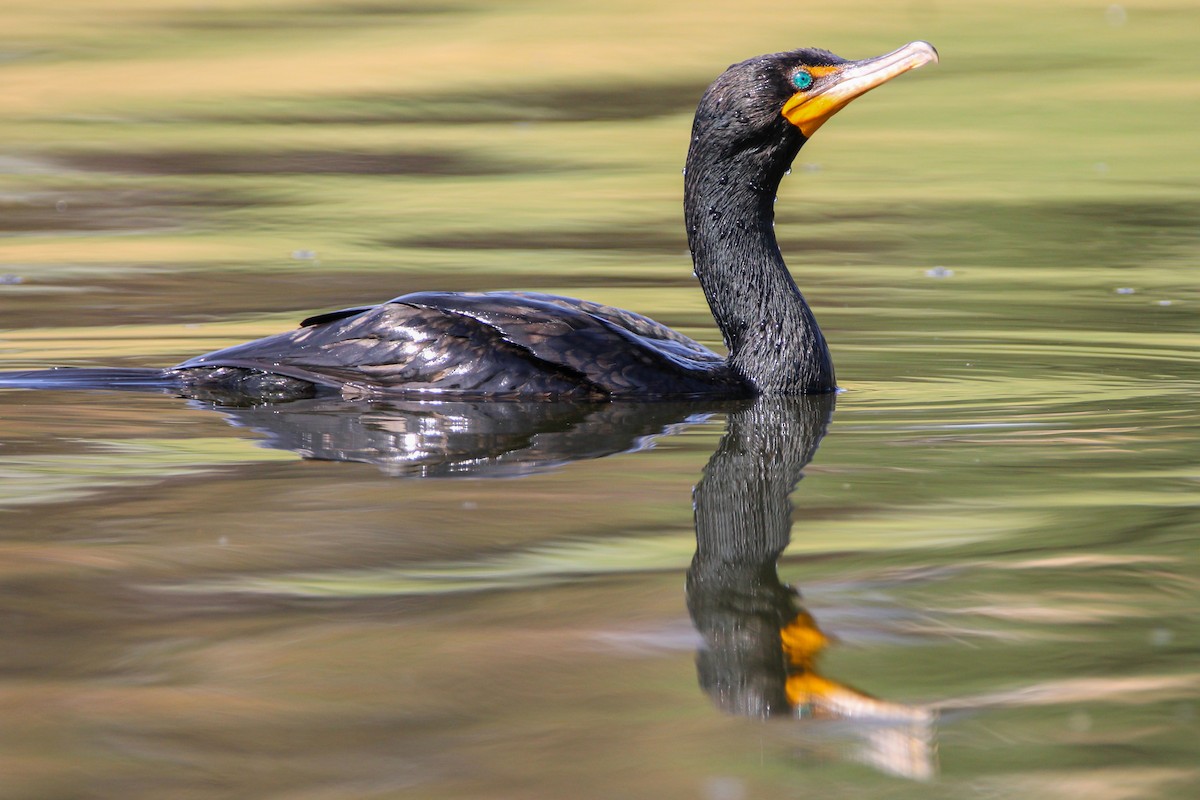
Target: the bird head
(748, 103)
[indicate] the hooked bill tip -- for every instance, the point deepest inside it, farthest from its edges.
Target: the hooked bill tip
(930, 51)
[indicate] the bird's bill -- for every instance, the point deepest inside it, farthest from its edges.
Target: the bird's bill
(836, 86)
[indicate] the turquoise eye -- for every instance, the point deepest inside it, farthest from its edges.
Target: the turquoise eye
(802, 80)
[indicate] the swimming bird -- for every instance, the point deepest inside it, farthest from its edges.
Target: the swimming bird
(749, 126)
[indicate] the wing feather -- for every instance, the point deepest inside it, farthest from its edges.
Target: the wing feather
(484, 344)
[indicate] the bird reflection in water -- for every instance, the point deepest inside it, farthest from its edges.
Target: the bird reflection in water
(421, 439)
(760, 646)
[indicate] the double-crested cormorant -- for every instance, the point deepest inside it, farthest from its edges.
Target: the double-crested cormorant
(749, 126)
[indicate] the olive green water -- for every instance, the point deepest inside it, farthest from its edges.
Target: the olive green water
(998, 534)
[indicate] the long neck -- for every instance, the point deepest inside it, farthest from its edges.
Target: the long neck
(772, 336)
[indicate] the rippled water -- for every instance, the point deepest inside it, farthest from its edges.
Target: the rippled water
(994, 542)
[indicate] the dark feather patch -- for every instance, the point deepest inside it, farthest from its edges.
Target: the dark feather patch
(495, 344)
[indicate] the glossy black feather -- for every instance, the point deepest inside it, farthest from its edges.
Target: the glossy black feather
(497, 344)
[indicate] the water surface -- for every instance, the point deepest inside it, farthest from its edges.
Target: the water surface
(994, 542)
